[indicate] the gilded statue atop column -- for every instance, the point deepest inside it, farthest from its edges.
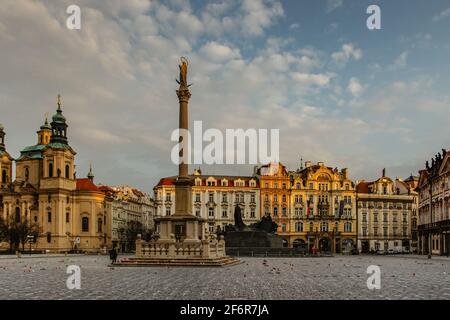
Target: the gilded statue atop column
(183, 72)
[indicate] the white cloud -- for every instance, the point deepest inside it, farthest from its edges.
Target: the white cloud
(400, 62)
(218, 52)
(441, 15)
(333, 5)
(250, 19)
(294, 26)
(347, 52)
(312, 79)
(355, 87)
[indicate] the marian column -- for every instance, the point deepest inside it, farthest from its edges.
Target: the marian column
(183, 184)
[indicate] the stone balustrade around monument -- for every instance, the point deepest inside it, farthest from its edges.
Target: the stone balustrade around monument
(207, 248)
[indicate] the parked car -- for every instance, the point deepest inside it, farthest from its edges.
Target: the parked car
(390, 251)
(380, 252)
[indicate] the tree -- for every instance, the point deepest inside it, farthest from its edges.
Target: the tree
(17, 232)
(25, 228)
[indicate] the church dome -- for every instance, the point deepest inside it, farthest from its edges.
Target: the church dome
(58, 117)
(46, 126)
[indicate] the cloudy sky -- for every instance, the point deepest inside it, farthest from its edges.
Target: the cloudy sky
(338, 92)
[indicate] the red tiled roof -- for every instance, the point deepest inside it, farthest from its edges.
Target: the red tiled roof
(170, 181)
(362, 187)
(86, 185)
(166, 182)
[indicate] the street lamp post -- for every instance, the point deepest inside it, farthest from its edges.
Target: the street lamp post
(30, 238)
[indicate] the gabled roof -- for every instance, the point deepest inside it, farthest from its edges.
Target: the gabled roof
(362, 187)
(86, 185)
(445, 160)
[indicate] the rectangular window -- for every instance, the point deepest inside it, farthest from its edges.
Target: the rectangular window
(67, 217)
(211, 212)
(252, 213)
(197, 197)
(283, 227)
(49, 217)
(211, 197)
(283, 210)
(224, 213)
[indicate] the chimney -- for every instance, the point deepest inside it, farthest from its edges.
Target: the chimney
(307, 164)
(320, 164)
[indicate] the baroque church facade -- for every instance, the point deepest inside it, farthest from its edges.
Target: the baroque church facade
(71, 213)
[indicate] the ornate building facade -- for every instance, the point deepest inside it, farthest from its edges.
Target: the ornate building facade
(132, 212)
(322, 209)
(434, 206)
(6, 161)
(275, 196)
(70, 212)
(214, 198)
(385, 215)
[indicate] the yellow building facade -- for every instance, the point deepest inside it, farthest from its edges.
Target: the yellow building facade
(275, 197)
(322, 209)
(70, 213)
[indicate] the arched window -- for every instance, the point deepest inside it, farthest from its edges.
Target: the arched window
(50, 170)
(17, 216)
(324, 226)
(99, 225)
(27, 173)
(4, 176)
(299, 226)
(67, 171)
(85, 224)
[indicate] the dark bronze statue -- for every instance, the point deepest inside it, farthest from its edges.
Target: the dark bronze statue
(238, 222)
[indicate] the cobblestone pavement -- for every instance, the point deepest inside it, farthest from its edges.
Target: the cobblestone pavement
(340, 277)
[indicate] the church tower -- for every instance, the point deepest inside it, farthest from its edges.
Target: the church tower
(58, 157)
(5, 161)
(59, 126)
(45, 133)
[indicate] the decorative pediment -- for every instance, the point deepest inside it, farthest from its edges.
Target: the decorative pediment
(445, 166)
